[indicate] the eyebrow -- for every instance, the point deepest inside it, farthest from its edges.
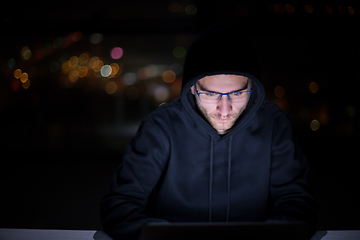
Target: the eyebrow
(207, 90)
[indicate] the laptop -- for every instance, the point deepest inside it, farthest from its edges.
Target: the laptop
(226, 231)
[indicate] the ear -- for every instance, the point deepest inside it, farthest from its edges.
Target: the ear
(193, 89)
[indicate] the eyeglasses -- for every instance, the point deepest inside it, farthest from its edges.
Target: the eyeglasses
(214, 97)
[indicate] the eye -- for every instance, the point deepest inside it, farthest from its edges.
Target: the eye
(210, 94)
(238, 93)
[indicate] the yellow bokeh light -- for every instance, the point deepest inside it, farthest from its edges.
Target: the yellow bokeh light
(74, 75)
(314, 125)
(169, 76)
(99, 65)
(74, 61)
(25, 53)
(115, 68)
(26, 85)
(279, 91)
(110, 87)
(314, 87)
(24, 77)
(83, 71)
(66, 67)
(84, 58)
(93, 62)
(17, 73)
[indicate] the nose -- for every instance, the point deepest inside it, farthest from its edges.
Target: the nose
(224, 106)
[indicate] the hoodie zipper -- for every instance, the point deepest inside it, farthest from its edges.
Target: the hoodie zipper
(228, 179)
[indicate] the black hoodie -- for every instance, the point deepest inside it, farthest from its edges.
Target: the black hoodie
(178, 168)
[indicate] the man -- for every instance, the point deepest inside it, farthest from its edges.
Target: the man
(219, 153)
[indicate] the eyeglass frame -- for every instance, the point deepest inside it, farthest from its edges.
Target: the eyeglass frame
(221, 94)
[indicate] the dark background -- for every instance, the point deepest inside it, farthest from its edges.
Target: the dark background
(62, 140)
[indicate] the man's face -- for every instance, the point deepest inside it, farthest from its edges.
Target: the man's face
(223, 114)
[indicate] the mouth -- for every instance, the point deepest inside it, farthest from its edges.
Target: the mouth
(223, 119)
(228, 119)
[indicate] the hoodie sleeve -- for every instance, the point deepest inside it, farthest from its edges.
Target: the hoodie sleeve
(123, 208)
(289, 186)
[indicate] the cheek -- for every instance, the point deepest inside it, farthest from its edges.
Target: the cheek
(239, 106)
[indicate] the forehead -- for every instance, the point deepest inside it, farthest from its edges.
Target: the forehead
(223, 82)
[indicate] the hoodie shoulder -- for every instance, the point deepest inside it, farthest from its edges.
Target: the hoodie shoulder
(168, 112)
(272, 112)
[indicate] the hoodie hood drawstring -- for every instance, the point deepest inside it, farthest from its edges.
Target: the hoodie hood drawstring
(211, 178)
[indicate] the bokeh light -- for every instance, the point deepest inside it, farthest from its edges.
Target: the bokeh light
(116, 53)
(25, 53)
(176, 68)
(15, 85)
(279, 8)
(73, 75)
(169, 76)
(289, 8)
(191, 10)
(83, 71)
(351, 10)
(115, 69)
(144, 73)
(161, 93)
(11, 63)
(84, 58)
(351, 111)
(279, 91)
(329, 9)
(110, 87)
(66, 67)
(309, 8)
(17, 73)
(74, 60)
(99, 66)
(26, 85)
(179, 52)
(106, 70)
(314, 87)
(314, 125)
(96, 38)
(24, 77)
(129, 78)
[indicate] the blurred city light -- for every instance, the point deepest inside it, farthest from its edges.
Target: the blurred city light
(309, 8)
(279, 91)
(96, 38)
(106, 70)
(314, 125)
(110, 87)
(25, 53)
(169, 76)
(179, 52)
(190, 9)
(17, 73)
(116, 53)
(24, 77)
(314, 87)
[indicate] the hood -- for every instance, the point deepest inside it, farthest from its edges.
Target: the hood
(221, 50)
